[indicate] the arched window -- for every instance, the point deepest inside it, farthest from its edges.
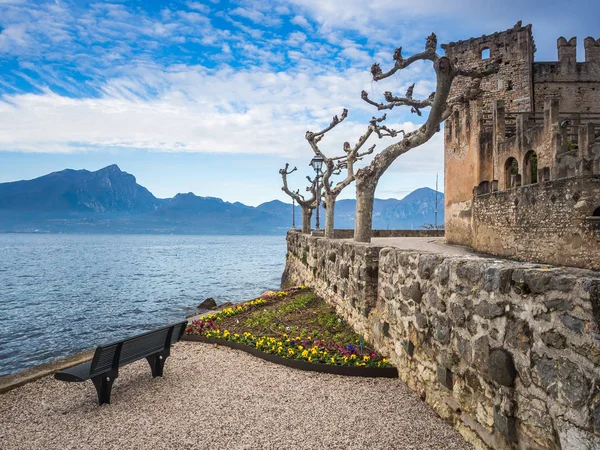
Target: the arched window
(485, 53)
(511, 167)
(596, 212)
(530, 168)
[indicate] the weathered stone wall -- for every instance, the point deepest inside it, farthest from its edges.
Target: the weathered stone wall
(548, 222)
(507, 352)
(513, 82)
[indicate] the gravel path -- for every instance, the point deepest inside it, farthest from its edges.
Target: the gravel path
(220, 398)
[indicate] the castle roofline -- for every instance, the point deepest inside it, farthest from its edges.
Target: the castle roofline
(515, 29)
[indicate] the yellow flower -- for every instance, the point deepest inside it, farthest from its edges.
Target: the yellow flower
(309, 359)
(352, 356)
(305, 354)
(235, 335)
(333, 360)
(290, 351)
(300, 347)
(366, 358)
(384, 361)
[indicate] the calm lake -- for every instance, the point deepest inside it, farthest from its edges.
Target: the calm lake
(60, 294)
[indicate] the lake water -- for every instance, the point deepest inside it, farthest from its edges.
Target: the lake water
(60, 294)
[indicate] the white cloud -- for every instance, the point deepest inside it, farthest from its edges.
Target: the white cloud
(12, 36)
(205, 9)
(301, 22)
(193, 110)
(281, 85)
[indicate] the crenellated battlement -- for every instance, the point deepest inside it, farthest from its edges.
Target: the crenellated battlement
(592, 50)
(567, 51)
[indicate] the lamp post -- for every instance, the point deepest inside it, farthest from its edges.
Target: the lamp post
(317, 164)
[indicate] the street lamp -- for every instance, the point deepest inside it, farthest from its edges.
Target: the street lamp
(317, 164)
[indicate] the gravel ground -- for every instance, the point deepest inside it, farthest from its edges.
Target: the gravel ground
(220, 398)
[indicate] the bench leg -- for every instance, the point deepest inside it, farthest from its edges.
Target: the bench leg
(103, 385)
(157, 363)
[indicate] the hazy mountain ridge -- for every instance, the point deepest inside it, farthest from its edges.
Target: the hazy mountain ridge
(110, 201)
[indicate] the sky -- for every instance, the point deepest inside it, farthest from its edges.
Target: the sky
(215, 96)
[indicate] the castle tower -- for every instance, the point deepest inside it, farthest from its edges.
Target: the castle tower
(469, 155)
(522, 161)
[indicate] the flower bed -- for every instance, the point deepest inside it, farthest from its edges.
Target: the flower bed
(210, 328)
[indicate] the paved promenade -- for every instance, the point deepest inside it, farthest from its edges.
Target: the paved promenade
(428, 244)
(218, 398)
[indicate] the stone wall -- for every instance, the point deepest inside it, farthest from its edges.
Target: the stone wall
(548, 222)
(507, 352)
(513, 82)
(349, 234)
(575, 84)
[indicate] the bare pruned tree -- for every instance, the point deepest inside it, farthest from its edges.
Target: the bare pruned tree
(307, 205)
(441, 105)
(336, 164)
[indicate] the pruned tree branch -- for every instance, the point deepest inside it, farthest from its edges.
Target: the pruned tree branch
(296, 194)
(441, 106)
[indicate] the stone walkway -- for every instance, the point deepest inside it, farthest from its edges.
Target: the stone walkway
(428, 244)
(220, 398)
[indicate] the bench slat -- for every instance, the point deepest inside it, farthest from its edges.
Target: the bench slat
(141, 346)
(104, 358)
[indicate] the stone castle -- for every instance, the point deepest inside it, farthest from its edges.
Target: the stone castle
(522, 162)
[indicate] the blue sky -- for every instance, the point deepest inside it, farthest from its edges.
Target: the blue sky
(214, 96)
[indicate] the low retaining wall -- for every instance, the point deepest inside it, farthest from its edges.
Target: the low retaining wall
(508, 352)
(349, 234)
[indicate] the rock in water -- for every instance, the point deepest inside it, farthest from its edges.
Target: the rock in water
(209, 303)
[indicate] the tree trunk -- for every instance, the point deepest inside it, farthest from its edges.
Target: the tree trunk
(329, 216)
(306, 216)
(365, 197)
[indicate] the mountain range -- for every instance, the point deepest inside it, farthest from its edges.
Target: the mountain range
(110, 201)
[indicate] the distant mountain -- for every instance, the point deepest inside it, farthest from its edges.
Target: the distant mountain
(107, 190)
(110, 201)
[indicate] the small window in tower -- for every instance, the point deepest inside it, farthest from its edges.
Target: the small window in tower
(596, 213)
(485, 53)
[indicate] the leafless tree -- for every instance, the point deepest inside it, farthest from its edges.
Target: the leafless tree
(336, 164)
(307, 205)
(441, 105)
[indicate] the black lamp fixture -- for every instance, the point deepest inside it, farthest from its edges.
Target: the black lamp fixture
(317, 164)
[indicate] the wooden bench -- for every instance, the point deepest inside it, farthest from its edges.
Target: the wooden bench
(154, 345)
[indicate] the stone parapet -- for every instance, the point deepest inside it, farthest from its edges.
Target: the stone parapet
(551, 222)
(508, 352)
(349, 234)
